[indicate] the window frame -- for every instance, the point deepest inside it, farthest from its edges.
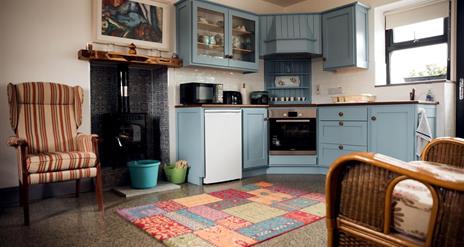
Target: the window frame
(391, 46)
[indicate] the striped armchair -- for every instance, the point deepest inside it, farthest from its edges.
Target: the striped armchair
(45, 118)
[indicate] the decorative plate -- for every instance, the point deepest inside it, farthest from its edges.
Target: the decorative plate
(287, 81)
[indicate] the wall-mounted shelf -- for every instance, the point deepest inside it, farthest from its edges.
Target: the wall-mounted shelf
(128, 58)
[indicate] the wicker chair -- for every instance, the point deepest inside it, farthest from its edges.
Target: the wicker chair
(359, 191)
(45, 118)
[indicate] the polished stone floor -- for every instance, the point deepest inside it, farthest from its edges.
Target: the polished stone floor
(69, 221)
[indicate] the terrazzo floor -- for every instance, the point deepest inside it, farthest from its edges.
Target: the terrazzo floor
(69, 221)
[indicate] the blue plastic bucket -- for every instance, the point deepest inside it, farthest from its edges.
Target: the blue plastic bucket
(143, 173)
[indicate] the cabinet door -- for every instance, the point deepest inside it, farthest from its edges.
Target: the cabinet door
(330, 152)
(209, 39)
(243, 43)
(255, 138)
(338, 38)
(391, 131)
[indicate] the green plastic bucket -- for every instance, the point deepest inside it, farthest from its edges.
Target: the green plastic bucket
(175, 175)
(143, 173)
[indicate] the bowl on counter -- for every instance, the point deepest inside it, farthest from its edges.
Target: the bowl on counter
(361, 98)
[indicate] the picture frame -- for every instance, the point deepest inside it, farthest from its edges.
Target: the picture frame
(144, 23)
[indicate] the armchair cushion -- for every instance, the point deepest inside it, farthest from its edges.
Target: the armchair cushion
(412, 206)
(58, 161)
(51, 177)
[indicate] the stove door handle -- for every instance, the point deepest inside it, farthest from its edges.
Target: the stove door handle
(293, 121)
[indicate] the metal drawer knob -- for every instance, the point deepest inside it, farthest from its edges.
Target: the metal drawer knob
(340, 123)
(340, 114)
(373, 118)
(340, 147)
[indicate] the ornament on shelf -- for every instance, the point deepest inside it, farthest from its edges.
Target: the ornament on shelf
(132, 49)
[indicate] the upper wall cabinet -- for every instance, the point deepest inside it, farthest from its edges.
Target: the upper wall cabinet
(345, 37)
(290, 33)
(213, 35)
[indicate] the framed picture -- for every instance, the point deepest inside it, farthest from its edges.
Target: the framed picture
(142, 22)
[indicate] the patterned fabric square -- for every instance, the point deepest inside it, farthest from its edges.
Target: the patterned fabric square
(140, 212)
(263, 184)
(187, 240)
(302, 217)
(186, 221)
(295, 204)
(289, 191)
(195, 217)
(197, 200)
(169, 206)
(315, 196)
(222, 236)
(268, 197)
(233, 222)
(250, 187)
(161, 227)
(228, 203)
(208, 213)
(270, 228)
(254, 212)
(230, 194)
(317, 209)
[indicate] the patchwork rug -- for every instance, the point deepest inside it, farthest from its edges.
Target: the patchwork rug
(244, 217)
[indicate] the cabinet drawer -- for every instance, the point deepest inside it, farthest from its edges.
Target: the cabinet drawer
(330, 152)
(356, 113)
(343, 132)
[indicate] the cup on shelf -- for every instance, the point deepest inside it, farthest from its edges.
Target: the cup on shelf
(287, 98)
(292, 98)
(282, 98)
(303, 98)
(298, 98)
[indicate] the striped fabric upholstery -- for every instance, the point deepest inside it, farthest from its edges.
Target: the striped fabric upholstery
(48, 162)
(46, 116)
(50, 177)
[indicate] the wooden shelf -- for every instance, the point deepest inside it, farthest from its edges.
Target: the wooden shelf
(128, 58)
(210, 47)
(240, 32)
(286, 88)
(210, 27)
(242, 50)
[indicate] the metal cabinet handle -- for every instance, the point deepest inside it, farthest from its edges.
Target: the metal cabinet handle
(373, 118)
(265, 119)
(340, 123)
(340, 114)
(340, 147)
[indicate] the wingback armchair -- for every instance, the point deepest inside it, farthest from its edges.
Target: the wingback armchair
(45, 118)
(362, 198)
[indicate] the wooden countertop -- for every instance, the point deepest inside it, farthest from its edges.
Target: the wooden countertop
(397, 102)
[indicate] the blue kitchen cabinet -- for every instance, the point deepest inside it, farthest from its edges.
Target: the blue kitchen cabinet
(190, 139)
(392, 130)
(330, 152)
(255, 138)
(290, 33)
(345, 37)
(212, 35)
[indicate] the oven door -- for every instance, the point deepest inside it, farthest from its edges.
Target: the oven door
(292, 136)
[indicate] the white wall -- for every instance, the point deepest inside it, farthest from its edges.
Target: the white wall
(39, 42)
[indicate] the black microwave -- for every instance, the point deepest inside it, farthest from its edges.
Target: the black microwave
(201, 93)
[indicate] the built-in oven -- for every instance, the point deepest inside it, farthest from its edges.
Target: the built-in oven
(292, 131)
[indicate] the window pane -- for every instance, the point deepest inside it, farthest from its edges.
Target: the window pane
(418, 30)
(417, 64)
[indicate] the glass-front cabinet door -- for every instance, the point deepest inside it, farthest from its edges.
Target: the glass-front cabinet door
(243, 48)
(210, 44)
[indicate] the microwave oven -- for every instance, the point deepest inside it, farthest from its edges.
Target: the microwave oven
(201, 93)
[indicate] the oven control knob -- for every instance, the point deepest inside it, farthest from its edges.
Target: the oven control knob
(340, 147)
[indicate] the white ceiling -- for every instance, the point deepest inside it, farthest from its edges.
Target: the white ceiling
(283, 3)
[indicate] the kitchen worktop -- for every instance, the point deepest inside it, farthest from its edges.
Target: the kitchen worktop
(394, 102)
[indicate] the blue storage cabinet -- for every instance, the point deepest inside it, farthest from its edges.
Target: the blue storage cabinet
(190, 139)
(290, 33)
(386, 129)
(345, 37)
(235, 34)
(255, 138)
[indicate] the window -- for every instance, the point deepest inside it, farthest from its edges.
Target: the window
(417, 52)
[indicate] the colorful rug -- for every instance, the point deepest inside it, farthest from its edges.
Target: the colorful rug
(253, 214)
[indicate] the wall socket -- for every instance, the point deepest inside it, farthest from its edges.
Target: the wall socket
(335, 90)
(318, 89)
